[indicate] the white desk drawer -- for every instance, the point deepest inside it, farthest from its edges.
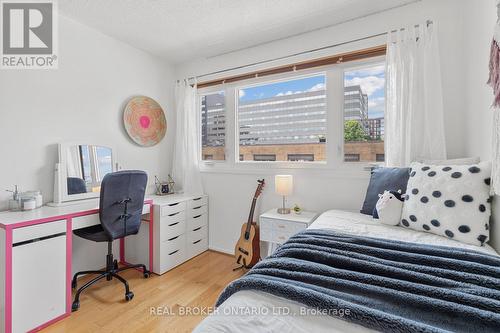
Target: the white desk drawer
(173, 217)
(85, 221)
(196, 247)
(38, 231)
(173, 229)
(197, 221)
(172, 258)
(197, 234)
(197, 210)
(173, 244)
(196, 202)
(172, 208)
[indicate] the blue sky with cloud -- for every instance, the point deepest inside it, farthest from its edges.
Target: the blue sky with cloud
(371, 80)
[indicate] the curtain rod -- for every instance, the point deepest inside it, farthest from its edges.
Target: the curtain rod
(428, 22)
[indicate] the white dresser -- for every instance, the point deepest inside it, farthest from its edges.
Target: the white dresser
(180, 229)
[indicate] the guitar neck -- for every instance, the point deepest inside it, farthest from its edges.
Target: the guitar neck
(250, 216)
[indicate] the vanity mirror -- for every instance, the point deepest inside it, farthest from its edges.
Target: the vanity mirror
(80, 170)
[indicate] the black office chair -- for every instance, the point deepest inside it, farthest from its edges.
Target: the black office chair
(120, 211)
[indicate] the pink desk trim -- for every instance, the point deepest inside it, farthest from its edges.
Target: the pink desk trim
(69, 223)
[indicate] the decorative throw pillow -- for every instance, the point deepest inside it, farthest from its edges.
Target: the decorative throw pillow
(389, 207)
(390, 179)
(452, 201)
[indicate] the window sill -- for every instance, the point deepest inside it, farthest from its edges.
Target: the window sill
(345, 170)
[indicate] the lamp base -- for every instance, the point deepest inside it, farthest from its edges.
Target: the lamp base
(283, 210)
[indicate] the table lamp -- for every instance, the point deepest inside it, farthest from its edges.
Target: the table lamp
(283, 185)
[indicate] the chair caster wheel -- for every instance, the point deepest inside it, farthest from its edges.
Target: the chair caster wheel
(115, 264)
(75, 306)
(129, 296)
(73, 284)
(147, 274)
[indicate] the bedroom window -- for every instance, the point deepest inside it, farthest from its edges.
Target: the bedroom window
(329, 114)
(282, 119)
(364, 105)
(213, 126)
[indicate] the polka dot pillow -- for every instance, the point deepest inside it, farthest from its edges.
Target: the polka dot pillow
(451, 201)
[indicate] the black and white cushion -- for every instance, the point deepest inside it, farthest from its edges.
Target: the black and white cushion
(452, 201)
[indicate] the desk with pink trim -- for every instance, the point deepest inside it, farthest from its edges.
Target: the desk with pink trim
(36, 262)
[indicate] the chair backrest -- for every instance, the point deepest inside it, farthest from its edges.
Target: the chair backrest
(122, 199)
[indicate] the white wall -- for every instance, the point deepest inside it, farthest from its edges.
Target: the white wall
(83, 101)
(230, 194)
(479, 23)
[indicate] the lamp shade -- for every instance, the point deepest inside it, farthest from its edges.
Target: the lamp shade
(283, 184)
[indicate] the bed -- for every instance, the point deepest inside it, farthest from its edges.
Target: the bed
(258, 311)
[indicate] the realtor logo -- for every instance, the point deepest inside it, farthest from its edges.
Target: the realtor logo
(28, 34)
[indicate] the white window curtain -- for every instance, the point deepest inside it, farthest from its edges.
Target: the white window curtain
(414, 126)
(185, 169)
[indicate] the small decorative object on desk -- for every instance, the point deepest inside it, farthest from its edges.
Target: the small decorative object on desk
(165, 187)
(296, 209)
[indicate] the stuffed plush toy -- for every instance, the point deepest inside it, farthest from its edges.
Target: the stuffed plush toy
(389, 207)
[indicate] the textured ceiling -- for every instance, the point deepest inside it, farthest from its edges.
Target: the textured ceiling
(183, 30)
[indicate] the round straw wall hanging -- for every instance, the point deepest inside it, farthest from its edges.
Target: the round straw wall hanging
(144, 121)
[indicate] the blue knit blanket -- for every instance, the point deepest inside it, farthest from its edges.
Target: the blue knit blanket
(385, 285)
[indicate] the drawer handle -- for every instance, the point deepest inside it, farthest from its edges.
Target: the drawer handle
(197, 229)
(174, 204)
(173, 252)
(173, 214)
(281, 226)
(195, 217)
(199, 240)
(171, 239)
(197, 207)
(196, 199)
(171, 225)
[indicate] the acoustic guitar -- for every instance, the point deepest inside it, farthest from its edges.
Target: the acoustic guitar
(247, 249)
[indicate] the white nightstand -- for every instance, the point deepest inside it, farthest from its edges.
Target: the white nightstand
(277, 228)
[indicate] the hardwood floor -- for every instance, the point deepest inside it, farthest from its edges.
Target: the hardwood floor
(192, 285)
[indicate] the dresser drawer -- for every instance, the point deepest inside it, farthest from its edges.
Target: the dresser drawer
(197, 234)
(172, 208)
(173, 217)
(284, 226)
(197, 210)
(169, 246)
(197, 221)
(199, 201)
(169, 230)
(279, 236)
(196, 247)
(170, 259)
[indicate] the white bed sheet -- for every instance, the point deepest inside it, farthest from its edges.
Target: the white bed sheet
(271, 311)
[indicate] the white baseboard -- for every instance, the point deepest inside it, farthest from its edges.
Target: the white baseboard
(219, 249)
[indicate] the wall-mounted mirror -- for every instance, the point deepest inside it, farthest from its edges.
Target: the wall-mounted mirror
(80, 171)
